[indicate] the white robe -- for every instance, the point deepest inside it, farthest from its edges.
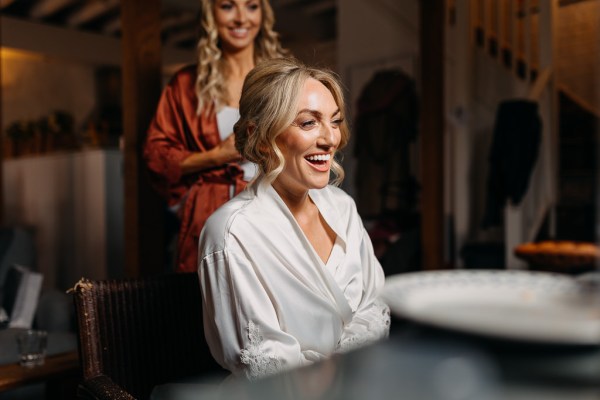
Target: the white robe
(269, 301)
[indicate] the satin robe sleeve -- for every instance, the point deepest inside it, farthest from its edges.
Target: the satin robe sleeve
(165, 146)
(240, 321)
(371, 320)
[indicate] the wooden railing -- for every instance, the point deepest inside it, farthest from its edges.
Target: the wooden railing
(509, 30)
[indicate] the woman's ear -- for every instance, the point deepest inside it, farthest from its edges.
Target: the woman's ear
(251, 129)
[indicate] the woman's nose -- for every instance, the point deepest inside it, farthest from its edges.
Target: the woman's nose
(328, 135)
(240, 15)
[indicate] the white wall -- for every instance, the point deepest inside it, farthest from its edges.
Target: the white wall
(74, 203)
(372, 35)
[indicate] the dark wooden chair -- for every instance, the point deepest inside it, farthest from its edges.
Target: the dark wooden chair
(135, 334)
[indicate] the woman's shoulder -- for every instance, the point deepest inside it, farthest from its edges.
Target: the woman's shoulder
(184, 76)
(219, 225)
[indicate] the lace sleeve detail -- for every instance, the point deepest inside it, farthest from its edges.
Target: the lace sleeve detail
(258, 364)
(381, 324)
(376, 326)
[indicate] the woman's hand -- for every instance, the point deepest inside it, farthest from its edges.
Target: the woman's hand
(225, 152)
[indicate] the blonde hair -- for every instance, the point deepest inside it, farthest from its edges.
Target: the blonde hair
(269, 104)
(212, 68)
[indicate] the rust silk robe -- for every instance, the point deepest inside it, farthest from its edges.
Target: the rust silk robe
(174, 134)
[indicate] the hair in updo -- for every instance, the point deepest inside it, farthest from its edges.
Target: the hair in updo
(269, 104)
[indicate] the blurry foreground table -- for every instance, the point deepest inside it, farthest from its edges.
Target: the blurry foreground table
(419, 362)
(463, 335)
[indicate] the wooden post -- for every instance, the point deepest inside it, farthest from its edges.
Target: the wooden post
(144, 211)
(547, 42)
(460, 135)
(432, 24)
(2, 139)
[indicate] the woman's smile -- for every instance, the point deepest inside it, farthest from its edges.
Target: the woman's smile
(320, 162)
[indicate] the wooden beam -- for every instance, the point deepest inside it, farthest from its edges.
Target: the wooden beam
(144, 211)
(45, 8)
(2, 139)
(432, 24)
(6, 3)
(91, 11)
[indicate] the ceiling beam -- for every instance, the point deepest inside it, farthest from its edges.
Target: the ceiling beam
(6, 3)
(92, 11)
(45, 8)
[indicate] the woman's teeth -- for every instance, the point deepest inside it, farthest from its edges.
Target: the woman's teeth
(320, 157)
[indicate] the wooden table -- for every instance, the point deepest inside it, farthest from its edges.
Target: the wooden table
(60, 373)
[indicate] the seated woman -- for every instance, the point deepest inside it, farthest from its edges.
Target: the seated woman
(287, 269)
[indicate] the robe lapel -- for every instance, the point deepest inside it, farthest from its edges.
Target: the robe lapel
(317, 277)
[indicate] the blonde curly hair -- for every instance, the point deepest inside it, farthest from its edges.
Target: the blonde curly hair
(212, 68)
(269, 104)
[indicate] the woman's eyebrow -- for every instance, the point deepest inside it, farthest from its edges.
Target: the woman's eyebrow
(316, 113)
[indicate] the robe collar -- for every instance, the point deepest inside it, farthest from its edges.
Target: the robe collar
(264, 191)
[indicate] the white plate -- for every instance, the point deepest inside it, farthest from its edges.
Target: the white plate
(518, 305)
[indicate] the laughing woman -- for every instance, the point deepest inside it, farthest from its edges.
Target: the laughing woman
(287, 269)
(189, 148)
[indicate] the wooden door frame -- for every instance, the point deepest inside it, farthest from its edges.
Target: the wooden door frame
(431, 43)
(144, 210)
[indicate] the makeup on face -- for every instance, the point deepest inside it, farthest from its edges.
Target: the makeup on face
(309, 143)
(238, 23)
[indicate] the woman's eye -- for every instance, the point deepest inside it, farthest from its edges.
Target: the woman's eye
(308, 124)
(226, 6)
(337, 122)
(253, 6)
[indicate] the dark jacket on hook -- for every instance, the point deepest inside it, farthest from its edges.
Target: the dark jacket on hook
(514, 151)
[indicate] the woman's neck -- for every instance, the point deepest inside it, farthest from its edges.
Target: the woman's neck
(310, 220)
(298, 203)
(239, 63)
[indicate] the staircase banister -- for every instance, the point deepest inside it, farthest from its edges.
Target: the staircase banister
(579, 100)
(535, 93)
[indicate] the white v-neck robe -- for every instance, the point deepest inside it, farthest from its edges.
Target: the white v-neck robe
(269, 301)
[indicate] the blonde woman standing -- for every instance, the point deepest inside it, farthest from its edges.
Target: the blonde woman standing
(190, 150)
